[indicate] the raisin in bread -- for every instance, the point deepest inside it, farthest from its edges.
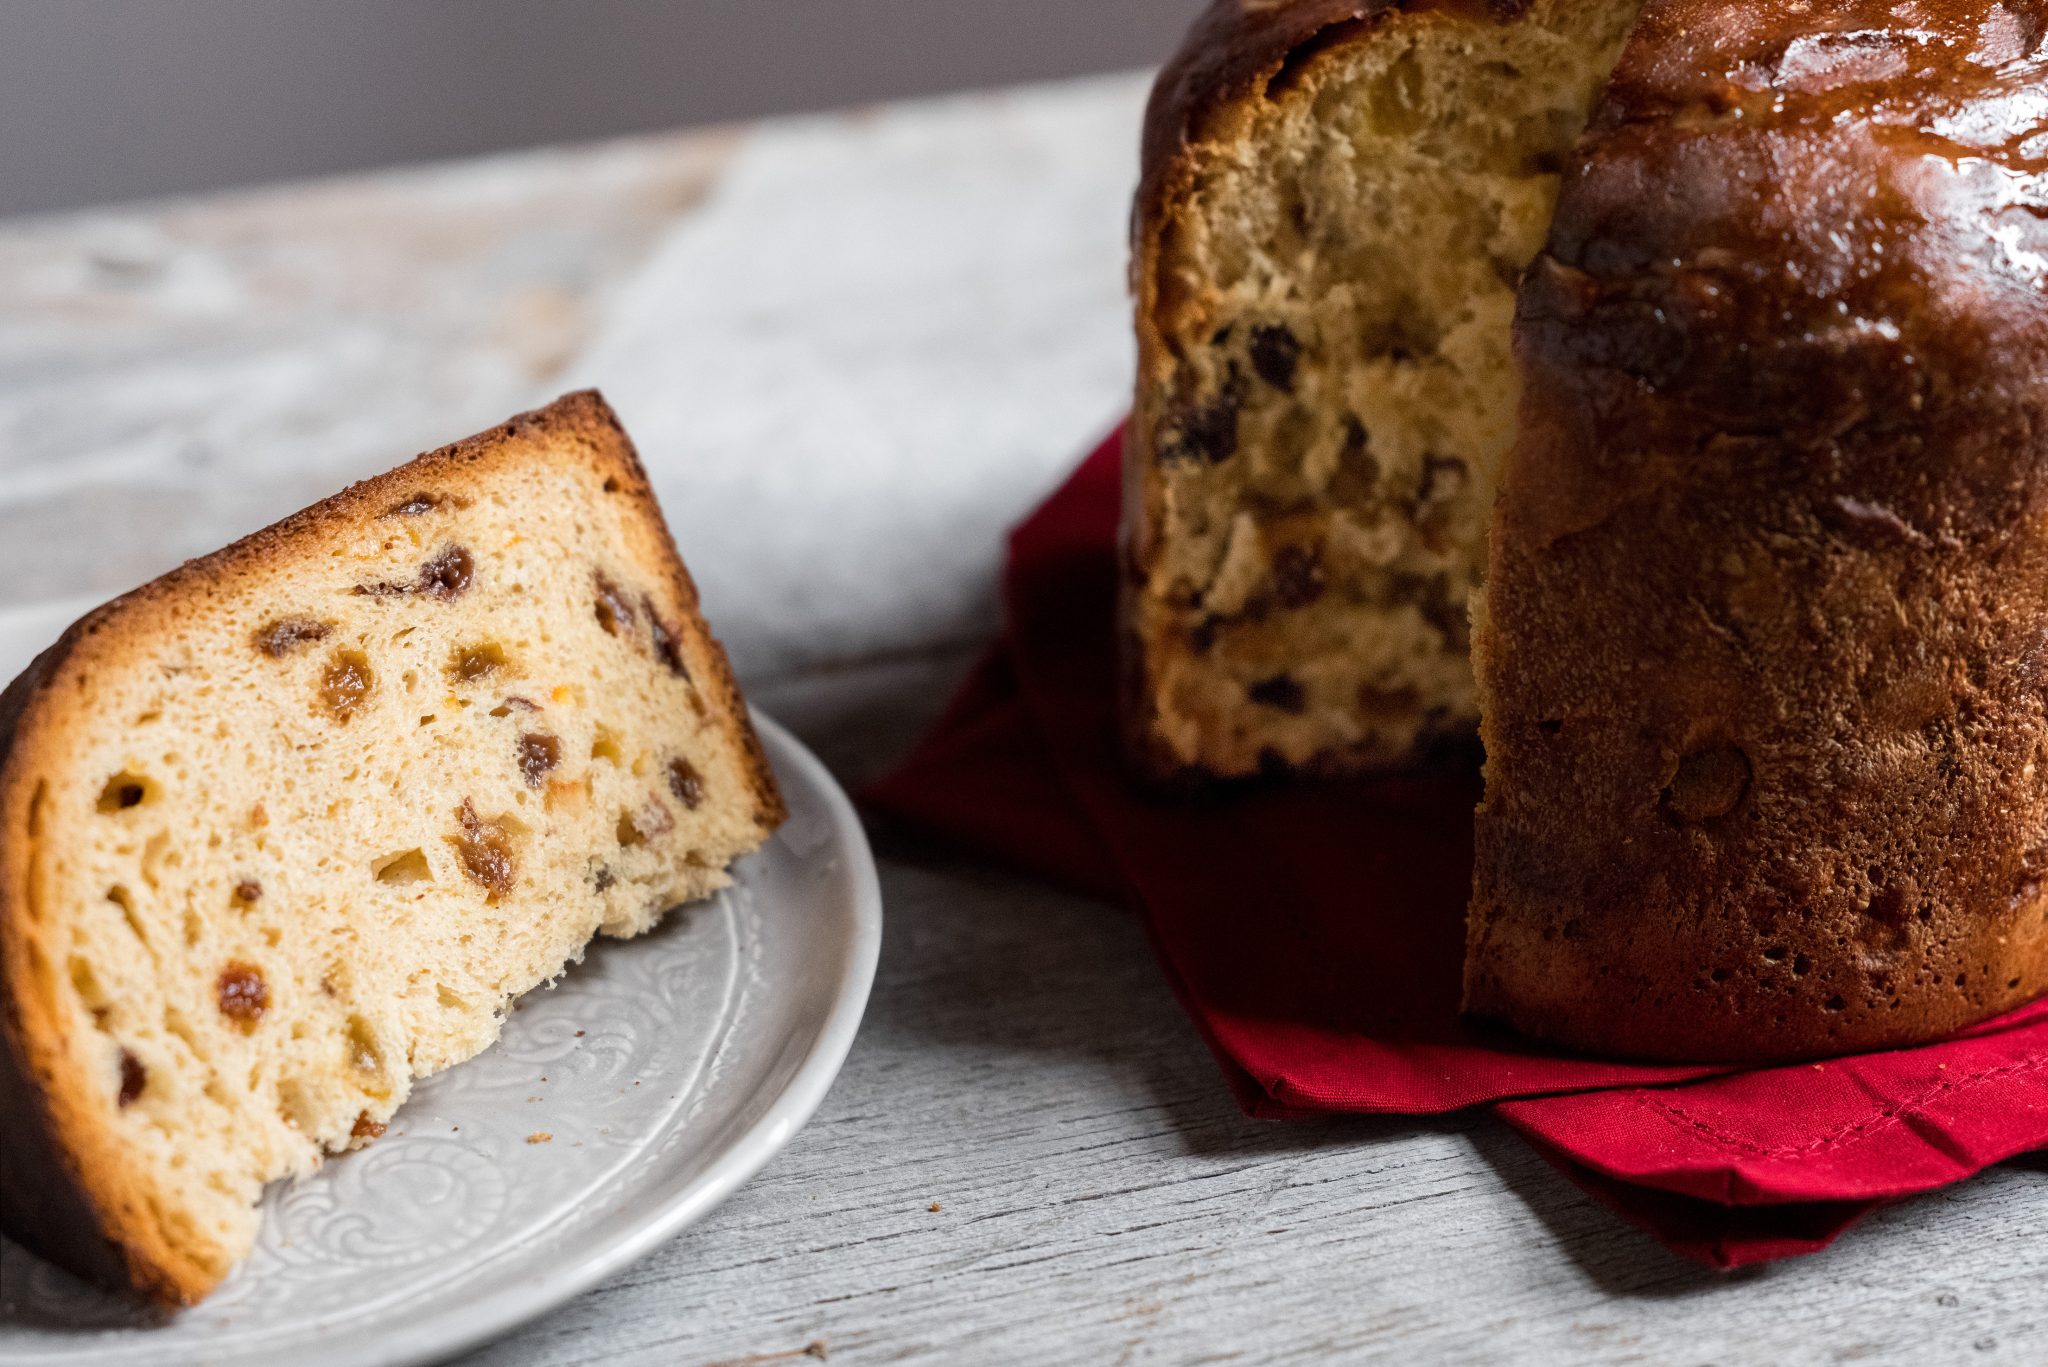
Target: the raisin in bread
(1740, 312)
(288, 828)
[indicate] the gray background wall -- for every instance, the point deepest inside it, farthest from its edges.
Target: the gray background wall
(105, 100)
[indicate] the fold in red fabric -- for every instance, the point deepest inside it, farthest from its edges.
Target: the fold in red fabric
(1314, 934)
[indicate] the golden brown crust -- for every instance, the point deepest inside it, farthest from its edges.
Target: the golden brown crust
(1232, 51)
(49, 1199)
(64, 1188)
(1765, 672)
(770, 810)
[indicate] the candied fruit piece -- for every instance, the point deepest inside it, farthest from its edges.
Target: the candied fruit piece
(665, 643)
(686, 783)
(447, 575)
(287, 634)
(134, 1077)
(485, 848)
(1207, 431)
(347, 684)
(244, 997)
(423, 502)
(471, 663)
(614, 612)
(539, 753)
(651, 821)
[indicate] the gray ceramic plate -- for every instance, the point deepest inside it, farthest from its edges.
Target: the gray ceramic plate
(666, 1070)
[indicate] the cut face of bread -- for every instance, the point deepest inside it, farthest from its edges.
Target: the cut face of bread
(289, 828)
(1326, 281)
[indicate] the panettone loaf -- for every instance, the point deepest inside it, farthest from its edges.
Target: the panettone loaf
(289, 828)
(1764, 666)
(1743, 309)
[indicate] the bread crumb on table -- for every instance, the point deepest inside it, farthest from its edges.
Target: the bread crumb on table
(539, 1137)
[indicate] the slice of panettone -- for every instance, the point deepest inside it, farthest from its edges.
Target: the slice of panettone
(290, 827)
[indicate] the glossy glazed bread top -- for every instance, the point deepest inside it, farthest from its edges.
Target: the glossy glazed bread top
(1766, 644)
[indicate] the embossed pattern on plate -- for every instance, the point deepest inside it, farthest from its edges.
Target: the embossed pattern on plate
(664, 1072)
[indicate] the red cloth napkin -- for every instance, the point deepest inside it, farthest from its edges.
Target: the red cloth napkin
(1314, 933)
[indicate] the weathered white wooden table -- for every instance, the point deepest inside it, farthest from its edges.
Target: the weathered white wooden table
(855, 349)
